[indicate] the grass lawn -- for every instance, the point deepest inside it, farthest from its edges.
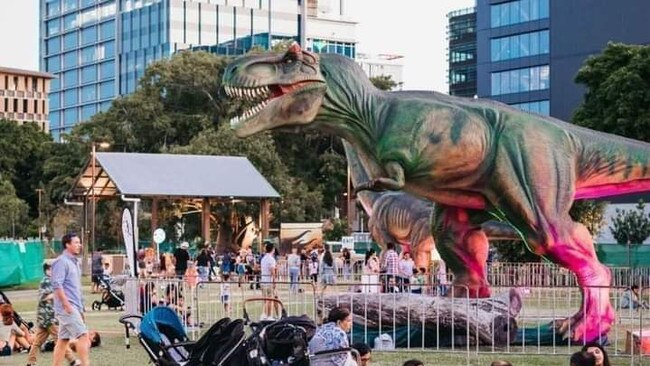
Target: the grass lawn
(113, 351)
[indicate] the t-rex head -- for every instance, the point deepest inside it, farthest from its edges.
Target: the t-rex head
(286, 89)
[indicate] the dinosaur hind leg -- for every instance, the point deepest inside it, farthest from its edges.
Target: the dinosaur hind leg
(464, 248)
(536, 199)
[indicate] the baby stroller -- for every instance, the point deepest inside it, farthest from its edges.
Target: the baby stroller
(17, 318)
(113, 298)
(282, 342)
(162, 335)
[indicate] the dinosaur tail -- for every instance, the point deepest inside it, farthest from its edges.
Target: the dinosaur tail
(611, 165)
(359, 174)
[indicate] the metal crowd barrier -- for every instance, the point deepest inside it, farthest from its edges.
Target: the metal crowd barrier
(402, 320)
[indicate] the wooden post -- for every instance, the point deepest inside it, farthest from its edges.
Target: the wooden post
(205, 220)
(264, 222)
(154, 224)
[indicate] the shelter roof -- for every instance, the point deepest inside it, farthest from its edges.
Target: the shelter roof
(171, 175)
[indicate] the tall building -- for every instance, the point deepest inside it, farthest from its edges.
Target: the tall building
(461, 34)
(100, 48)
(382, 64)
(24, 96)
(529, 51)
(328, 29)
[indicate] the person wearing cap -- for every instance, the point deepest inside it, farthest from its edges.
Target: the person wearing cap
(181, 257)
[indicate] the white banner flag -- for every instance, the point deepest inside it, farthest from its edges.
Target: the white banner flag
(127, 231)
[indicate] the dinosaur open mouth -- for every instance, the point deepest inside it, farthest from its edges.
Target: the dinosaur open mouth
(260, 96)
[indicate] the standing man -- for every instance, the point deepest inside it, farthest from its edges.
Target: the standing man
(181, 257)
(68, 301)
(267, 284)
(46, 323)
(390, 266)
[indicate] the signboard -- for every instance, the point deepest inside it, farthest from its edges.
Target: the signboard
(159, 236)
(127, 232)
(307, 235)
(347, 242)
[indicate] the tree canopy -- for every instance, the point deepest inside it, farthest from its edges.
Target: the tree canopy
(618, 91)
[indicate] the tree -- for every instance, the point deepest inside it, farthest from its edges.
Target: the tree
(14, 219)
(23, 150)
(631, 227)
(384, 82)
(591, 214)
(618, 91)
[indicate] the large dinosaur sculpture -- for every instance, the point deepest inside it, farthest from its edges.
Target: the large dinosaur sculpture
(405, 219)
(477, 160)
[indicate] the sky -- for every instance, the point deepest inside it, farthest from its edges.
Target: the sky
(415, 29)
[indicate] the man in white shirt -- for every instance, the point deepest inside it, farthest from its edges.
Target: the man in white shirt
(267, 283)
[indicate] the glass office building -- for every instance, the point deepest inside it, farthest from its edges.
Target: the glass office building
(461, 34)
(98, 49)
(529, 51)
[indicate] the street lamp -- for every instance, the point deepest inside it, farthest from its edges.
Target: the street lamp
(93, 156)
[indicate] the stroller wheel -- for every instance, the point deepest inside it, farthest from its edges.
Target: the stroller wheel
(97, 305)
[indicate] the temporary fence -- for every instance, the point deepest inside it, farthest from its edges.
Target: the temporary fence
(20, 262)
(514, 321)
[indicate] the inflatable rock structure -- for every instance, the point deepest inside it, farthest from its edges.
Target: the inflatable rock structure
(447, 319)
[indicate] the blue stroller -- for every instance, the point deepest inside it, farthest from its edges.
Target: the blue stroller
(164, 339)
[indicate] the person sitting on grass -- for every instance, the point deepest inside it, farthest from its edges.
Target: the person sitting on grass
(365, 353)
(500, 363)
(10, 333)
(582, 359)
(332, 335)
(598, 352)
(630, 299)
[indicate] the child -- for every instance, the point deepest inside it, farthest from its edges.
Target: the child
(313, 269)
(418, 280)
(225, 293)
(10, 333)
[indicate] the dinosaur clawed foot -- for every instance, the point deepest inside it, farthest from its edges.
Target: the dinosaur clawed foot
(590, 324)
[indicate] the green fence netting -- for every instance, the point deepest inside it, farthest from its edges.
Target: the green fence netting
(20, 262)
(616, 255)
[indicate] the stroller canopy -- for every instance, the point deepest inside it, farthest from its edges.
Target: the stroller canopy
(161, 317)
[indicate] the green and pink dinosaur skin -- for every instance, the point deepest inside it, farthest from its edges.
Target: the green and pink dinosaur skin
(477, 160)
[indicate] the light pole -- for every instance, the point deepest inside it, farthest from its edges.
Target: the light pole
(40, 216)
(93, 207)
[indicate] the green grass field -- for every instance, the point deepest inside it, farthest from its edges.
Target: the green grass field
(113, 351)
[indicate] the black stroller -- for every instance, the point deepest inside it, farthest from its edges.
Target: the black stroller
(111, 297)
(17, 318)
(162, 335)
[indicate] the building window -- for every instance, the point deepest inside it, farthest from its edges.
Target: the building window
(89, 74)
(69, 78)
(53, 7)
(107, 70)
(107, 90)
(69, 5)
(69, 97)
(462, 53)
(55, 100)
(53, 63)
(520, 45)
(107, 10)
(25, 105)
(107, 30)
(89, 93)
(542, 107)
(55, 84)
(88, 55)
(53, 26)
(88, 111)
(15, 105)
(519, 11)
(34, 84)
(70, 59)
(89, 35)
(520, 80)
(70, 116)
(88, 16)
(15, 82)
(70, 41)
(55, 119)
(459, 75)
(53, 45)
(85, 3)
(69, 22)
